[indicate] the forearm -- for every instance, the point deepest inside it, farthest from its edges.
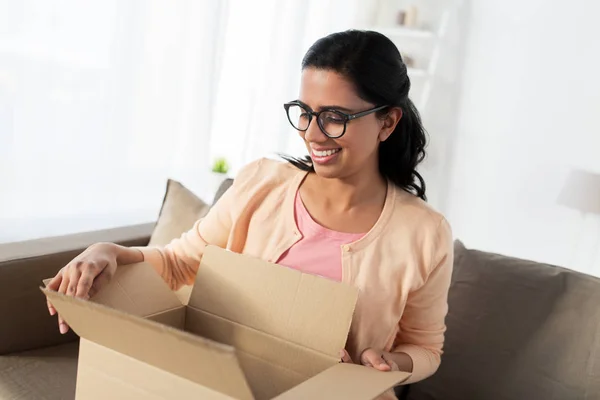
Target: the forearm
(402, 360)
(176, 262)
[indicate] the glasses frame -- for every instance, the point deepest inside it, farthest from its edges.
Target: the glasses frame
(316, 114)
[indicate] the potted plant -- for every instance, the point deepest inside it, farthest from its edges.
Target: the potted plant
(219, 170)
(220, 166)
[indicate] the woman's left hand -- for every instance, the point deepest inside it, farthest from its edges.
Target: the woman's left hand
(376, 359)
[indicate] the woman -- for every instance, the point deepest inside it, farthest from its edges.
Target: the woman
(353, 211)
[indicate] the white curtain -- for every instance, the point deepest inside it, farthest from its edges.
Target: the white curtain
(102, 101)
(262, 71)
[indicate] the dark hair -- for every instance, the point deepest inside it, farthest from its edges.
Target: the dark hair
(374, 64)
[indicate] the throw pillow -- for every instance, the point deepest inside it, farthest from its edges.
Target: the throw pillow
(180, 210)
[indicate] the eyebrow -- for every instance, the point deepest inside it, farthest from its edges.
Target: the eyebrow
(327, 107)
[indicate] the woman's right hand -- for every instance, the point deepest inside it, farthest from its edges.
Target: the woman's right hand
(85, 275)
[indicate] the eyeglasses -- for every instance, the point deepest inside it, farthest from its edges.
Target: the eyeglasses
(331, 122)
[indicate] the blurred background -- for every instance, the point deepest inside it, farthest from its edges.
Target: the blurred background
(102, 100)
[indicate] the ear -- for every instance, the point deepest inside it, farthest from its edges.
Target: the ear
(389, 123)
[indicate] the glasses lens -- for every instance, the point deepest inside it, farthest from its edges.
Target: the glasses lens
(332, 123)
(298, 117)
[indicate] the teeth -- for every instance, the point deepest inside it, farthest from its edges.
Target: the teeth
(325, 153)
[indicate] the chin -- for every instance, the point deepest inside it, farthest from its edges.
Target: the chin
(328, 171)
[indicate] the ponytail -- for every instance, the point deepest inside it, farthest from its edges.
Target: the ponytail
(404, 149)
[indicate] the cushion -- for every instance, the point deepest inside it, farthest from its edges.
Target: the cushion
(517, 330)
(226, 184)
(49, 373)
(180, 210)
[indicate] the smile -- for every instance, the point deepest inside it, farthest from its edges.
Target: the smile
(325, 153)
(324, 157)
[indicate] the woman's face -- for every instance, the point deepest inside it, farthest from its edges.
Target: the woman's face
(356, 151)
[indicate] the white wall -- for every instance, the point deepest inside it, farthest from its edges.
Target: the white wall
(529, 113)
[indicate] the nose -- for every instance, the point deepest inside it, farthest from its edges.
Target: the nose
(314, 133)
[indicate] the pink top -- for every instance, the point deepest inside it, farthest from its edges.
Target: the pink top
(318, 252)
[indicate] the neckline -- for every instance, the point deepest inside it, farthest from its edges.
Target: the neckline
(367, 238)
(318, 229)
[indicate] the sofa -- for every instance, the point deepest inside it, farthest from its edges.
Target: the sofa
(516, 329)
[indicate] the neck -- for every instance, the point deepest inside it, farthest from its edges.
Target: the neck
(352, 191)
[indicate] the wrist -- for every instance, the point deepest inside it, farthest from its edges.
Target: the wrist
(121, 254)
(107, 248)
(128, 255)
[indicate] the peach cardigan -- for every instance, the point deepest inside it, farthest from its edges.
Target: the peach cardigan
(402, 266)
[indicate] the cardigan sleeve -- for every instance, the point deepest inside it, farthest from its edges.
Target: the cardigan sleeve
(422, 327)
(178, 261)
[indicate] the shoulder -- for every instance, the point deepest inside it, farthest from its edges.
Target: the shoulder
(264, 173)
(416, 211)
(422, 224)
(265, 169)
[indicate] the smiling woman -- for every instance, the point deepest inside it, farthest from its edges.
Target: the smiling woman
(351, 71)
(353, 212)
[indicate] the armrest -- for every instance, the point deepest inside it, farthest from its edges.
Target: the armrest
(24, 320)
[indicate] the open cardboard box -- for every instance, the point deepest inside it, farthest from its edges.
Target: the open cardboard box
(251, 330)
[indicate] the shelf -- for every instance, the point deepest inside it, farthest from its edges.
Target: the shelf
(400, 31)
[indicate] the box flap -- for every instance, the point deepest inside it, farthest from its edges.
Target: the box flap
(136, 289)
(346, 381)
(304, 309)
(199, 360)
(103, 374)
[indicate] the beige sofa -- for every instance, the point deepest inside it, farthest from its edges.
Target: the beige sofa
(516, 329)
(36, 361)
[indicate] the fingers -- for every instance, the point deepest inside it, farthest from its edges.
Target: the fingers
(78, 278)
(92, 292)
(86, 280)
(62, 325)
(345, 357)
(392, 364)
(371, 358)
(74, 276)
(102, 279)
(64, 284)
(374, 359)
(51, 308)
(54, 284)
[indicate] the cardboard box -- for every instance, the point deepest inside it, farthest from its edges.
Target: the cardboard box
(251, 330)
